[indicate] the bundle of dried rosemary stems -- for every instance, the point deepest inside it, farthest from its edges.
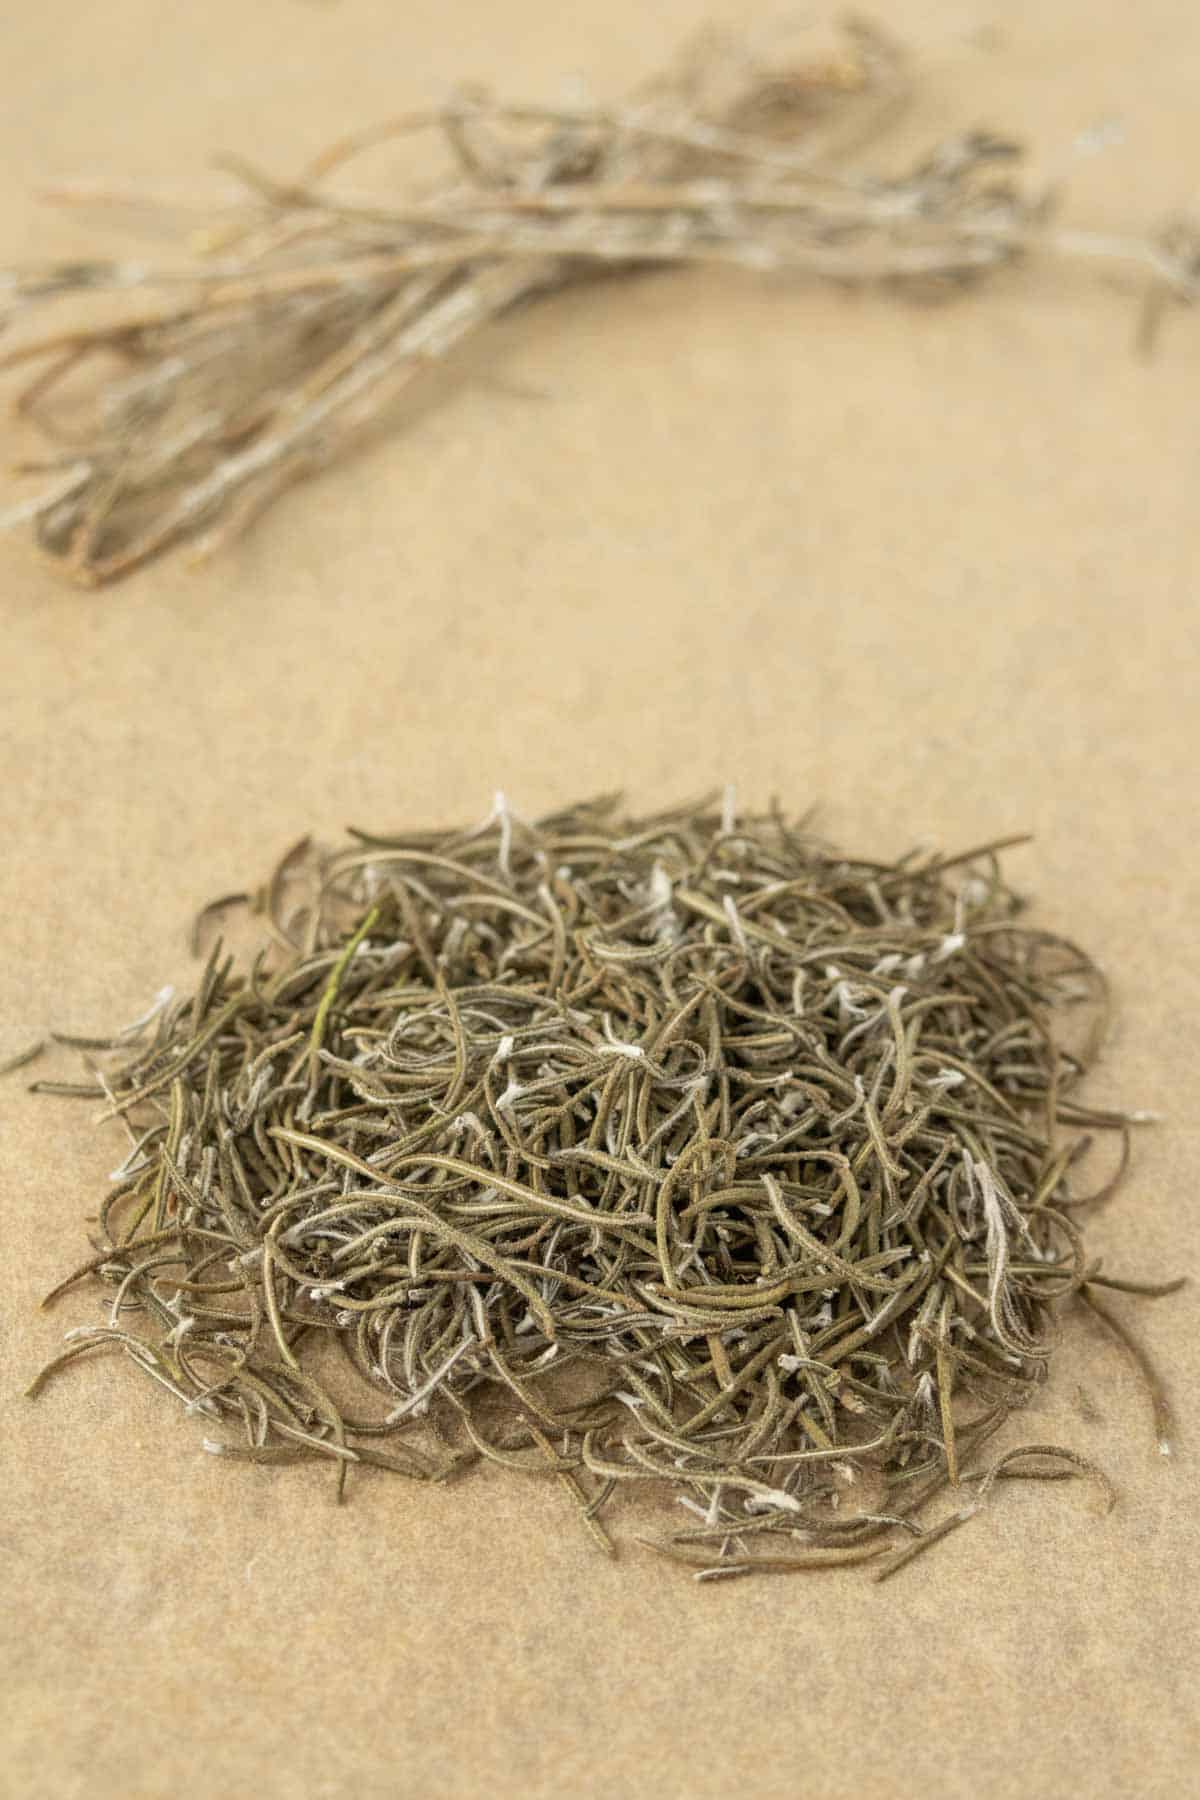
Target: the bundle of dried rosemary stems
(293, 324)
(682, 1151)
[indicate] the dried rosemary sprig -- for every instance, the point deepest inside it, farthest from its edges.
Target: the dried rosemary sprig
(682, 1151)
(296, 322)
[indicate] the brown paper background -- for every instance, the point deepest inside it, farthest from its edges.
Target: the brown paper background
(932, 567)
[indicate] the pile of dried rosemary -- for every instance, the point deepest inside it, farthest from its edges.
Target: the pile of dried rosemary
(682, 1150)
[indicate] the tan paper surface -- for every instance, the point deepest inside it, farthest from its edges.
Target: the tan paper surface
(933, 568)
